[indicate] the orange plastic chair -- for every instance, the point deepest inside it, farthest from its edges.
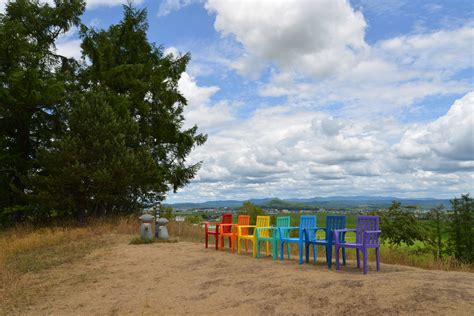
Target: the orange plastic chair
(262, 221)
(243, 220)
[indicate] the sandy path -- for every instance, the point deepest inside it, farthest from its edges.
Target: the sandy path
(186, 278)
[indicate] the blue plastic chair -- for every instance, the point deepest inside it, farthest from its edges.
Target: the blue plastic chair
(307, 222)
(332, 223)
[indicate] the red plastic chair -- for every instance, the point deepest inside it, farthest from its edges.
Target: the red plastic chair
(216, 230)
(232, 235)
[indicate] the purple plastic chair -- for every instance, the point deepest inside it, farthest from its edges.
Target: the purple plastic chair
(367, 236)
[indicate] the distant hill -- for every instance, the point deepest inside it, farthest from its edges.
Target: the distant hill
(335, 202)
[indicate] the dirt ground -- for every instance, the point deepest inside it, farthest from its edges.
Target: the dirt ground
(186, 278)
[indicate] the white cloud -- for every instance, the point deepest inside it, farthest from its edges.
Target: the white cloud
(286, 152)
(317, 55)
(168, 6)
(320, 37)
(70, 49)
(392, 75)
(200, 109)
(447, 142)
(92, 4)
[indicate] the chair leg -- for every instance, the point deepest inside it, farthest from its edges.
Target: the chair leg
(336, 253)
(364, 254)
(217, 242)
(274, 249)
(358, 258)
(232, 238)
(254, 248)
(300, 245)
(329, 256)
(377, 257)
(207, 240)
(282, 244)
(314, 254)
(258, 250)
(238, 245)
(344, 256)
(246, 246)
(307, 252)
(268, 248)
(288, 250)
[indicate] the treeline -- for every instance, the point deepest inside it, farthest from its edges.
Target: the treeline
(92, 137)
(443, 233)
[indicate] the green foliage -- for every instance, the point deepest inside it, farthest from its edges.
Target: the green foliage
(249, 209)
(91, 170)
(399, 225)
(461, 230)
(34, 86)
(193, 219)
(131, 68)
(167, 212)
(95, 139)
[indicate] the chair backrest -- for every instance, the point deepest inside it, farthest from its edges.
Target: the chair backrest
(226, 219)
(263, 221)
(244, 220)
(366, 223)
(283, 221)
(308, 221)
(335, 222)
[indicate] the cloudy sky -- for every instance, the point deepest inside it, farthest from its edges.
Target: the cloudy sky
(320, 98)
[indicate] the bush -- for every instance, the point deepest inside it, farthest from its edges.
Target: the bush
(399, 225)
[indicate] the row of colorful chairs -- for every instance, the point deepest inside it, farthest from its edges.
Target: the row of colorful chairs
(367, 234)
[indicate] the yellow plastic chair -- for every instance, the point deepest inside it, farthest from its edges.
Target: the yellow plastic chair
(262, 221)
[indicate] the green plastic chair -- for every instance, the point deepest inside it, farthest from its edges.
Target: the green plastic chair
(262, 234)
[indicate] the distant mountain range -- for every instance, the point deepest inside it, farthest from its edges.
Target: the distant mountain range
(334, 202)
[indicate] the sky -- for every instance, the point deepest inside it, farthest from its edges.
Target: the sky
(319, 98)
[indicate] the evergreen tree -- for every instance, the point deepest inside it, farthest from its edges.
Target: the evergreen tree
(33, 92)
(438, 216)
(125, 146)
(93, 170)
(461, 232)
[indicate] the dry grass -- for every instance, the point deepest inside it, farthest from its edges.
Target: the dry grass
(25, 251)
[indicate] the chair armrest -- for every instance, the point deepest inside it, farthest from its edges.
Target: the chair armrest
(336, 233)
(283, 229)
(207, 224)
(288, 228)
(305, 231)
(373, 232)
(239, 228)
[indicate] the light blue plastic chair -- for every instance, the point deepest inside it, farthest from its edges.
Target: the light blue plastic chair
(307, 222)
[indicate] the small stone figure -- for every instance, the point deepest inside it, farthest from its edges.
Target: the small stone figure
(146, 232)
(162, 229)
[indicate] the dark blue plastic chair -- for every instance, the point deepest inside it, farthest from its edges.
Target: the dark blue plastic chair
(307, 222)
(332, 223)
